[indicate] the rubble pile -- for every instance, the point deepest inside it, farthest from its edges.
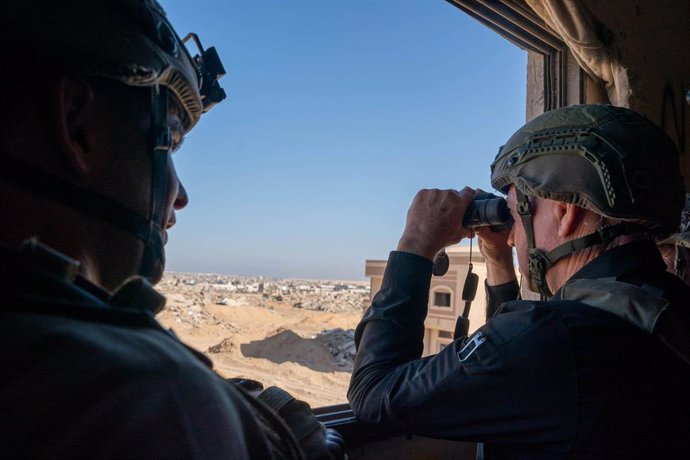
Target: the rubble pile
(194, 315)
(329, 296)
(225, 346)
(191, 294)
(341, 344)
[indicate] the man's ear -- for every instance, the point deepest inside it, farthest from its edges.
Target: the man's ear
(569, 217)
(74, 99)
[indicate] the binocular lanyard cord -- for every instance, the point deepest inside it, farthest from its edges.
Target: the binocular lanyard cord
(469, 290)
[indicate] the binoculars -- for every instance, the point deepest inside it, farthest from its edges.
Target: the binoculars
(486, 209)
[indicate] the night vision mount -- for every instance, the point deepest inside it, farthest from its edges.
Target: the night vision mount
(210, 70)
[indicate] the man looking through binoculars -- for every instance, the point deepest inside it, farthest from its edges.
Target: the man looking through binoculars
(598, 370)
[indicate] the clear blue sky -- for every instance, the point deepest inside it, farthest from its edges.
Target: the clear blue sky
(337, 113)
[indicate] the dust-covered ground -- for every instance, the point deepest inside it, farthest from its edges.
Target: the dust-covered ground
(294, 334)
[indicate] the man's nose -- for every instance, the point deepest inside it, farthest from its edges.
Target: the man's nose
(182, 199)
(511, 237)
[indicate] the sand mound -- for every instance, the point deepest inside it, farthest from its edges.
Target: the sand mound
(263, 336)
(332, 350)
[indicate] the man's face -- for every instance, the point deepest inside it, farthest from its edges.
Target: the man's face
(126, 171)
(176, 197)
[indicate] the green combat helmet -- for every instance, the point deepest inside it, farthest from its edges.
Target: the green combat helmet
(609, 160)
(130, 41)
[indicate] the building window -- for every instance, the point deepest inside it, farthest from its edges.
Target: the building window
(442, 299)
(445, 334)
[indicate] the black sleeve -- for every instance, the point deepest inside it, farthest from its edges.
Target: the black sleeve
(496, 295)
(492, 386)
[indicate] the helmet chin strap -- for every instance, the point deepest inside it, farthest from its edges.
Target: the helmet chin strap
(153, 259)
(537, 267)
(149, 230)
(540, 261)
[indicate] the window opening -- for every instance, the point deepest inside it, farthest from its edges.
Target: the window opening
(442, 299)
(258, 325)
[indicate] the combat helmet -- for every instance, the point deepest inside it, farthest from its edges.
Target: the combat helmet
(609, 160)
(130, 41)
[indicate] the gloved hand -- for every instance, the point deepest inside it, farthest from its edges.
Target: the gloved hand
(317, 441)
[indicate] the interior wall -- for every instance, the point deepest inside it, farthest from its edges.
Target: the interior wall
(651, 38)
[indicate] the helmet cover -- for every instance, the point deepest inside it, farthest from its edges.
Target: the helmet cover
(609, 160)
(130, 41)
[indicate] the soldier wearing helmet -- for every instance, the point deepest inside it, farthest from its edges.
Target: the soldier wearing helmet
(95, 97)
(599, 367)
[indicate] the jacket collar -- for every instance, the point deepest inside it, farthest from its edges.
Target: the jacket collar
(629, 262)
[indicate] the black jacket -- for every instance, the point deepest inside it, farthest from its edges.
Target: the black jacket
(557, 379)
(82, 378)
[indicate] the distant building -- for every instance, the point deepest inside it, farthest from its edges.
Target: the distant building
(445, 302)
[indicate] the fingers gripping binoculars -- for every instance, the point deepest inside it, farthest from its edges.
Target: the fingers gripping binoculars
(485, 210)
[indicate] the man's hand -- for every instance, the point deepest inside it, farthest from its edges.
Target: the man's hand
(434, 221)
(497, 254)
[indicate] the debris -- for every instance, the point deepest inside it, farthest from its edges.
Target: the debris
(225, 346)
(341, 345)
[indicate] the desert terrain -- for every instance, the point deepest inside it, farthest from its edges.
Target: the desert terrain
(295, 334)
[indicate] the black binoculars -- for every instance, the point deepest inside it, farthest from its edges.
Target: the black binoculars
(486, 209)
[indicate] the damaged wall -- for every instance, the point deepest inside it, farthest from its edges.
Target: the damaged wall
(652, 40)
(638, 52)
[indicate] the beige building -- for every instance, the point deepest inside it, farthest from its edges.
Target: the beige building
(445, 302)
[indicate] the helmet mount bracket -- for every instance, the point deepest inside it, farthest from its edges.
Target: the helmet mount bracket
(210, 70)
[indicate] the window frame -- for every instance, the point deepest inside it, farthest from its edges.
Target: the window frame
(517, 23)
(444, 336)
